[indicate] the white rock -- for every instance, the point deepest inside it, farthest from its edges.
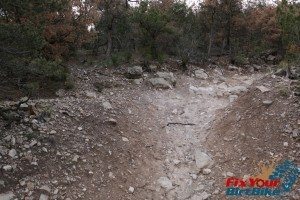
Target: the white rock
(7, 167)
(80, 128)
(201, 74)
(75, 158)
(131, 189)
(202, 160)
(202, 196)
(7, 196)
(229, 174)
(111, 175)
(285, 144)
(263, 89)
(232, 98)
(160, 83)
(46, 188)
(53, 132)
(90, 94)
(125, 139)
(138, 81)
(32, 143)
(44, 197)
(206, 171)
(165, 183)
(12, 153)
(267, 102)
(106, 105)
(176, 161)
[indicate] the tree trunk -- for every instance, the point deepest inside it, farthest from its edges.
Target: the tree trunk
(109, 43)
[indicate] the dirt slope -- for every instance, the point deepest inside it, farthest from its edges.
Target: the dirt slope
(135, 142)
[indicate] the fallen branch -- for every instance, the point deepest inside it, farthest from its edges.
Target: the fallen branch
(178, 123)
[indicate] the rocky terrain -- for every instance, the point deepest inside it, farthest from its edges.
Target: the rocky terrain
(161, 134)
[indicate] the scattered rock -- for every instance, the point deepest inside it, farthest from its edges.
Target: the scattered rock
(138, 81)
(131, 189)
(202, 196)
(106, 105)
(201, 74)
(233, 68)
(90, 94)
(206, 171)
(271, 58)
(165, 183)
(263, 89)
(7, 167)
(232, 98)
(112, 121)
(168, 76)
(160, 83)
(44, 197)
(111, 175)
(229, 174)
(267, 102)
(12, 153)
(134, 72)
(202, 160)
(237, 89)
(153, 68)
(75, 158)
(295, 133)
(7, 196)
(46, 188)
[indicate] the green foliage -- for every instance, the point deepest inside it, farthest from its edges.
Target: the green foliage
(289, 20)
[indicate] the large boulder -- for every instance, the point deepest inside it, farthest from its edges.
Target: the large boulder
(134, 72)
(168, 76)
(160, 83)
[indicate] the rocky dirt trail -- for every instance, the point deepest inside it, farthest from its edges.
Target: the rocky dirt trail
(128, 140)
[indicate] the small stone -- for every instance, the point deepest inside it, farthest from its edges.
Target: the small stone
(2, 183)
(232, 98)
(106, 105)
(112, 121)
(30, 186)
(138, 81)
(7, 196)
(44, 197)
(80, 128)
(165, 182)
(229, 174)
(55, 191)
(202, 160)
(12, 153)
(125, 139)
(34, 142)
(7, 167)
(176, 161)
(267, 102)
(131, 189)
(285, 144)
(44, 149)
(111, 175)
(46, 188)
(53, 132)
(295, 133)
(206, 171)
(263, 89)
(75, 158)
